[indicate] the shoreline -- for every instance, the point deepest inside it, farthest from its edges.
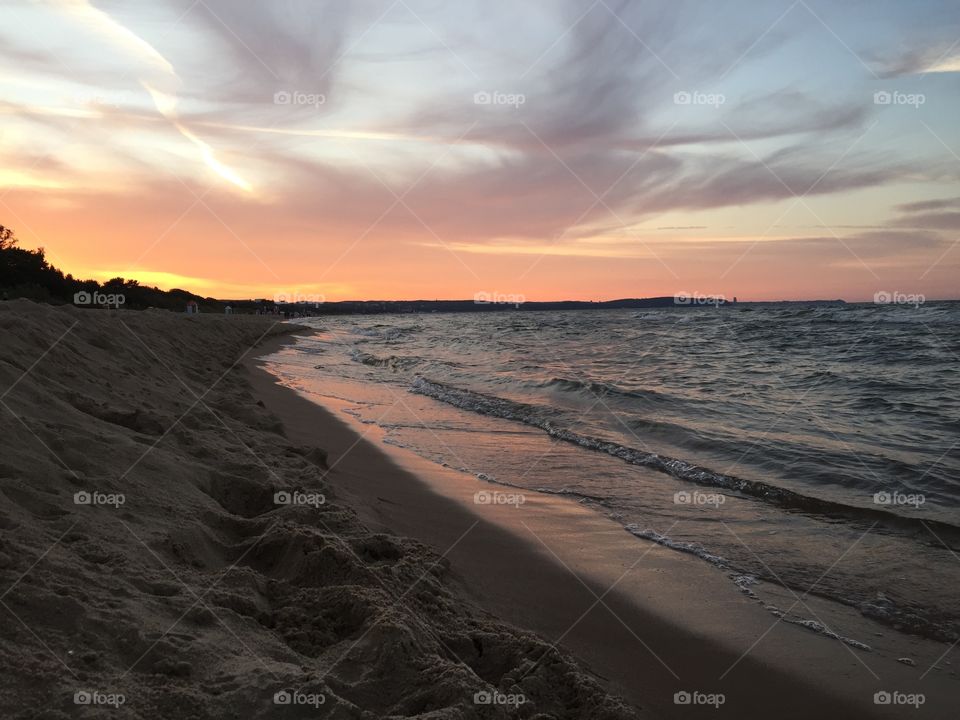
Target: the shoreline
(153, 557)
(553, 579)
(184, 582)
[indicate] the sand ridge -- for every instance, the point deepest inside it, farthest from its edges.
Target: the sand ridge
(165, 551)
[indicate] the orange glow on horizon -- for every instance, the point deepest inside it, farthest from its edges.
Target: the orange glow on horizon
(221, 257)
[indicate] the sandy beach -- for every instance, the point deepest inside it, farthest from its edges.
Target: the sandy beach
(168, 550)
(181, 536)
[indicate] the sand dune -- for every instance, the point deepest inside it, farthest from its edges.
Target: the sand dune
(148, 562)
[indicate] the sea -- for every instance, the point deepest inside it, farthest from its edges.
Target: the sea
(808, 447)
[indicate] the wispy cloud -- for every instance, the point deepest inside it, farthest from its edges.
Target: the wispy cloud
(673, 126)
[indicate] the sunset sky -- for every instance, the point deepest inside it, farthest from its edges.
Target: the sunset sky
(427, 149)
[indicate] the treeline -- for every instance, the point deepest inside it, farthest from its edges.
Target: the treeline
(28, 274)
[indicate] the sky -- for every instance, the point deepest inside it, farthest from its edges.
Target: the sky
(431, 149)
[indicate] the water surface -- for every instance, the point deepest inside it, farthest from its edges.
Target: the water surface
(810, 446)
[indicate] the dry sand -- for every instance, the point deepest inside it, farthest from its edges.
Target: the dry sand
(147, 569)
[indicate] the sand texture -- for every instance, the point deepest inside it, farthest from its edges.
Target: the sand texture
(148, 568)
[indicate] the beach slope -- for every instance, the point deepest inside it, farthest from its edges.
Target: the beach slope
(165, 548)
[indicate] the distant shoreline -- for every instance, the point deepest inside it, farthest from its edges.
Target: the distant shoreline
(368, 307)
(372, 307)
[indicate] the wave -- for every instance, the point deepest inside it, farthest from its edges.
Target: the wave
(685, 547)
(744, 582)
(385, 332)
(541, 417)
(599, 389)
(393, 362)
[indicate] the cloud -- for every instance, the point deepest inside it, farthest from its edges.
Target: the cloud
(939, 214)
(719, 181)
(289, 45)
(599, 119)
(932, 221)
(920, 62)
(927, 205)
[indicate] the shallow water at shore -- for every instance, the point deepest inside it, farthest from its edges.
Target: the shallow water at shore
(806, 446)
